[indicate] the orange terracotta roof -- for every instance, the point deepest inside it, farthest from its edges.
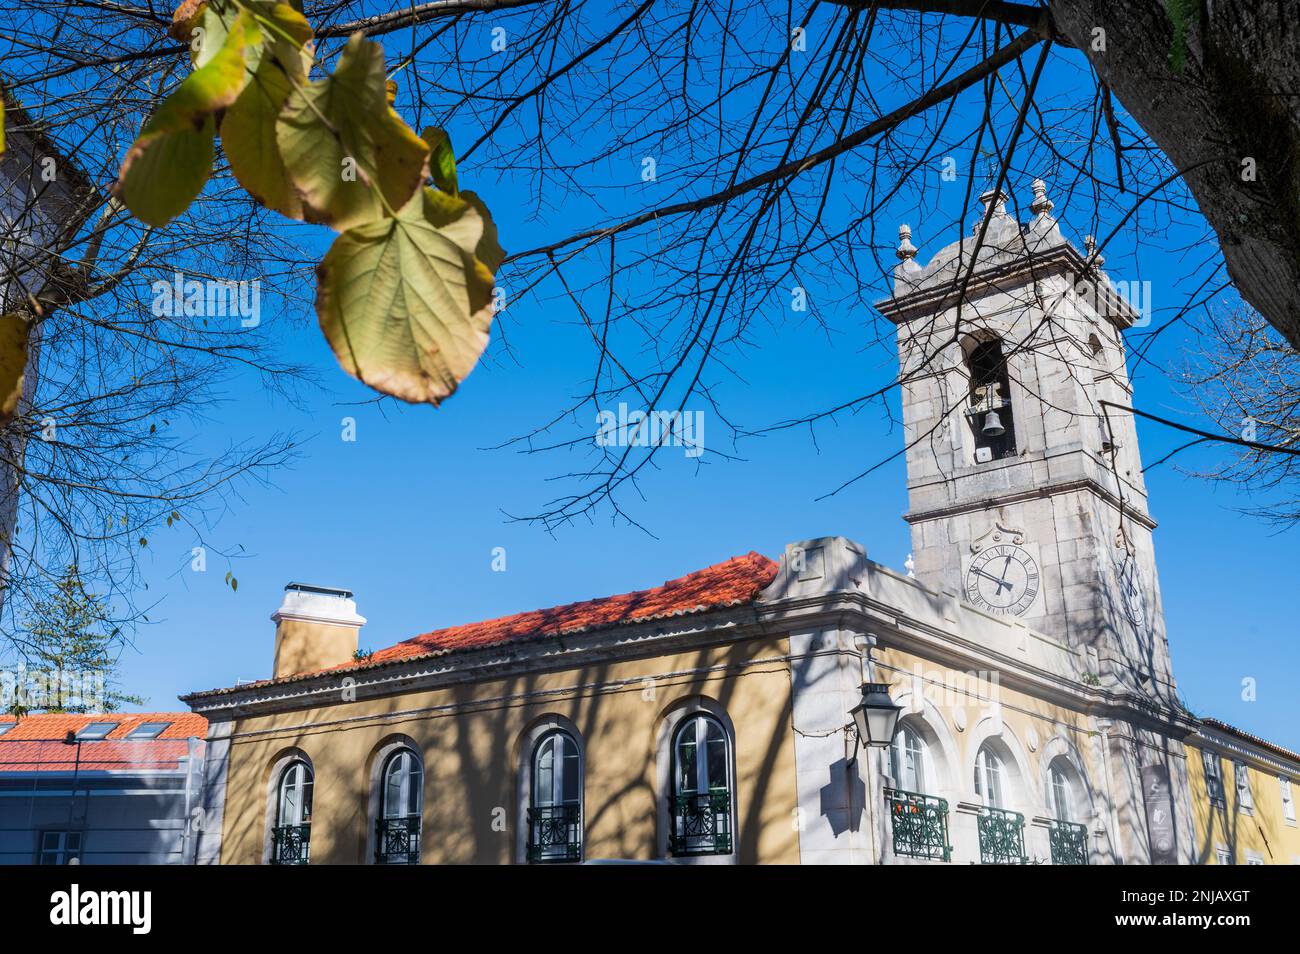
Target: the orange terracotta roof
(53, 726)
(732, 582)
(35, 743)
(1246, 736)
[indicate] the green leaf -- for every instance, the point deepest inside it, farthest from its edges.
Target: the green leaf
(442, 161)
(403, 301)
(489, 250)
(13, 363)
(166, 167)
(365, 157)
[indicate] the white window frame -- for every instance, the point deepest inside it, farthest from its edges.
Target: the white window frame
(990, 777)
(62, 852)
(1241, 779)
(411, 795)
(1214, 788)
(1288, 799)
(913, 744)
(1060, 798)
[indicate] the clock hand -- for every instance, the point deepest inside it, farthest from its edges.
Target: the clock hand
(989, 576)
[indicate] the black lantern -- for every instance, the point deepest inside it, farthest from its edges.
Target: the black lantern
(876, 715)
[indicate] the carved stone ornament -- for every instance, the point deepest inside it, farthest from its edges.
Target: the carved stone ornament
(998, 533)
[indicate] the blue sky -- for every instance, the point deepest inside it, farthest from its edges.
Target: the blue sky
(408, 515)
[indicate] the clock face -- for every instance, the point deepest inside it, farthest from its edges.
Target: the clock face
(1002, 579)
(1131, 591)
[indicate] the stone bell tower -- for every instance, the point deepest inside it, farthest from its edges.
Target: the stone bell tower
(1026, 495)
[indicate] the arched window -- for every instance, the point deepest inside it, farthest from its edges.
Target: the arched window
(401, 796)
(1001, 831)
(555, 809)
(989, 412)
(1067, 834)
(918, 820)
(700, 813)
(909, 760)
(291, 835)
(1058, 793)
(989, 782)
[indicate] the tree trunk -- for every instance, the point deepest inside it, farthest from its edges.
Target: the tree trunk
(1235, 100)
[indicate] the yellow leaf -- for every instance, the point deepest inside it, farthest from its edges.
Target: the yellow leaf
(366, 162)
(13, 363)
(403, 301)
(166, 167)
(248, 138)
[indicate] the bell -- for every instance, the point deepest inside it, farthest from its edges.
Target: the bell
(993, 425)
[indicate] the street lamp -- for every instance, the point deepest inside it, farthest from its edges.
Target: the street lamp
(876, 715)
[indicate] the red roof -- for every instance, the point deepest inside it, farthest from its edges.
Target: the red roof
(730, 583)
(35, 743)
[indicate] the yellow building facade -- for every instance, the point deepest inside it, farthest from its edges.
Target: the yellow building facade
(1244, 792)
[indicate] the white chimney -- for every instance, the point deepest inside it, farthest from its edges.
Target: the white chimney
(316, 627)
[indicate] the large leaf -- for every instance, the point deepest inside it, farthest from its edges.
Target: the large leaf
(13, 363)
(403, 301)
(166, 167)
(366, 162)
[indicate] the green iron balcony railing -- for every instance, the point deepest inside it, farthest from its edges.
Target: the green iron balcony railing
(291, 844)
(1002, 837)
(555, 833)
(920, 824)
(397, 840)
(1069, 842)
(701, 824)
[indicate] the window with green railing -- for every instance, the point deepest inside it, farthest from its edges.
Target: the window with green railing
(700, 808)
(919, 824)
(555, 812)
(291, 833)
(1069, 841)
(1002, 837)
(401, 799)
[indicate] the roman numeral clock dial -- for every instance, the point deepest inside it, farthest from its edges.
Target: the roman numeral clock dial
(1002, 579)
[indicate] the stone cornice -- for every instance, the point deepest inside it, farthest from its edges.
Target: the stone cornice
(1240, 749)
(1059, 259)
(1046, 490)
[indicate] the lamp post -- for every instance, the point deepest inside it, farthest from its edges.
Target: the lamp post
(72, 739)
(874, 719)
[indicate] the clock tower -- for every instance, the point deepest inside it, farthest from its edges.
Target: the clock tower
(1025, 487)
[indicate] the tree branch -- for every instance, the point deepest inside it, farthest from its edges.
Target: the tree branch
(795, 167)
